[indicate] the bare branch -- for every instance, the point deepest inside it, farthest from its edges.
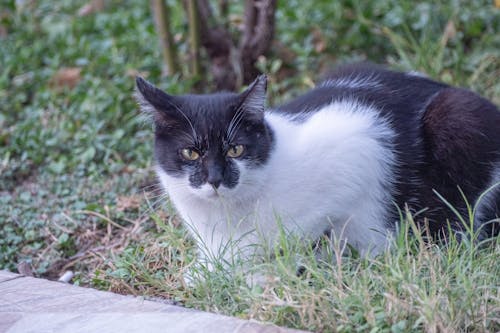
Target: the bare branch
(206, 13)
(264, 29)
(161, 14)
(194, 38)
(219, 46)
(230, 66)
(258, 34)
(249, 22)
(224, 11)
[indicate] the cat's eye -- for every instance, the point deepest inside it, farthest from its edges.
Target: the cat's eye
(190, 154)
(235, 151)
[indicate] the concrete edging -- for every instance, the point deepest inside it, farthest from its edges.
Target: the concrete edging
(35, 305)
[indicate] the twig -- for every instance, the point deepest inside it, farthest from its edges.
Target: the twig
(99, 215)
(257, 36)
(194, 38)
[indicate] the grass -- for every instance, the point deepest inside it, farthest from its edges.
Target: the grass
(415, 287)
(77, 190)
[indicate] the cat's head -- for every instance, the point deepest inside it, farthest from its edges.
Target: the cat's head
(208, 144)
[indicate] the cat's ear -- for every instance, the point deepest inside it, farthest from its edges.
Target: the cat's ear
(254, 98)
(155, 103)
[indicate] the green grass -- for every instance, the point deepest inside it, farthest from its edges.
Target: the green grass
(415, 287)
(77, 190)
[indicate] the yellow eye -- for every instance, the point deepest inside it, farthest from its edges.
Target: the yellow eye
(235, 151)
(190, 154)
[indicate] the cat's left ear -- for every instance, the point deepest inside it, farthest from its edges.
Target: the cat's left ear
(150, 98)
(156, 104)
(254, 98)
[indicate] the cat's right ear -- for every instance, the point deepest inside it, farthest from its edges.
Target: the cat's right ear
(155, 103)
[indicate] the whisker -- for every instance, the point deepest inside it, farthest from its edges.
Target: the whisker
(155, 200)
(234, 123)
(150, 188)
(155, 196)
(187, 119)
(153, 206)
(234, 129)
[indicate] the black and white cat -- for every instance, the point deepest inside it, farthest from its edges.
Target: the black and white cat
(339, 159)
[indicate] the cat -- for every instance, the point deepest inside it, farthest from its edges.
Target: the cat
(342, 159)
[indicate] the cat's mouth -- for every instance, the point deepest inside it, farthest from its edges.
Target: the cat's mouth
(214, 193)
(209, 192)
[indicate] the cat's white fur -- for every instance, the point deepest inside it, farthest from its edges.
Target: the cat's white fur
(353, 82)
(328, 172)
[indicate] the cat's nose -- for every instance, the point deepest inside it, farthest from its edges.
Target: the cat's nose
(214, 179)
(214, 174)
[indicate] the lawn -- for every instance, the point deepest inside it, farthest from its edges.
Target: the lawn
(77, 190)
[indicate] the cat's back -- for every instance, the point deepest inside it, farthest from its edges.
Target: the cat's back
(394, 101)
(394, 93)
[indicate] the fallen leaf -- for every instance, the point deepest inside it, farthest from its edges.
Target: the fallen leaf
(132, 72)
(3, 31)
(124, 203)
(236, 20)
(450, 31)
(24, 268)
(91, 7)
(318, 40)
(66, 77)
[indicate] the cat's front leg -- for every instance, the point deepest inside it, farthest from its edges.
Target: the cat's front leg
(233, 260)
(213, 256)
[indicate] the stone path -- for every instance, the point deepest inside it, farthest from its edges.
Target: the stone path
(34, 305)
